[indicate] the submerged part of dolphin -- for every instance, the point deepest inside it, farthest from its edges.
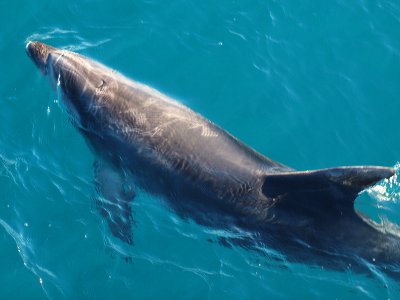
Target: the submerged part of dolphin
(144, 138)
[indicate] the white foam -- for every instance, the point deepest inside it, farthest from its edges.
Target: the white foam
(387, 189)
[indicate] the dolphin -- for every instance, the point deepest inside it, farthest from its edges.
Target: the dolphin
(144, 139)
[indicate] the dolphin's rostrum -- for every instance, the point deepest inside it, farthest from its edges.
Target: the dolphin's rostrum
(144, 138)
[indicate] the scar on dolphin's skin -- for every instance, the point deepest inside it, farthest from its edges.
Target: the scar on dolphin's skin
(144, 138)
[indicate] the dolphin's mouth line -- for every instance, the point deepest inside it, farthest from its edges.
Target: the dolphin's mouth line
(60, 56)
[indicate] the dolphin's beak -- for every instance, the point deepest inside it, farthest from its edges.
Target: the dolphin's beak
(39, 53)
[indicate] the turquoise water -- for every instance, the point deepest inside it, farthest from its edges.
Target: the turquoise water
(311, 85)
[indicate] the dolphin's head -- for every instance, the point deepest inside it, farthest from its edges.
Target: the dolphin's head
(39, 53)
(80, 80)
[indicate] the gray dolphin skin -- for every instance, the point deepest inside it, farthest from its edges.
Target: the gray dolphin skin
(144, 139)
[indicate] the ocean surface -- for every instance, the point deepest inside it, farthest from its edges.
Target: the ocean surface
(310, 84)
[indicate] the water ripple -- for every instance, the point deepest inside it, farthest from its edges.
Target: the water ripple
(79, 43)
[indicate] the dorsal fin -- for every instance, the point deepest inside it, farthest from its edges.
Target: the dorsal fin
(327, 189)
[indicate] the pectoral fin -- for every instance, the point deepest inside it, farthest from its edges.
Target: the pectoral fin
(113, 203)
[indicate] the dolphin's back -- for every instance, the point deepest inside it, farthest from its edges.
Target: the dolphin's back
(176, 126)
(175, 138)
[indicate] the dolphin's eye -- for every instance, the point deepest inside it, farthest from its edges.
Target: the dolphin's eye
(101, 84)
(101, 87)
